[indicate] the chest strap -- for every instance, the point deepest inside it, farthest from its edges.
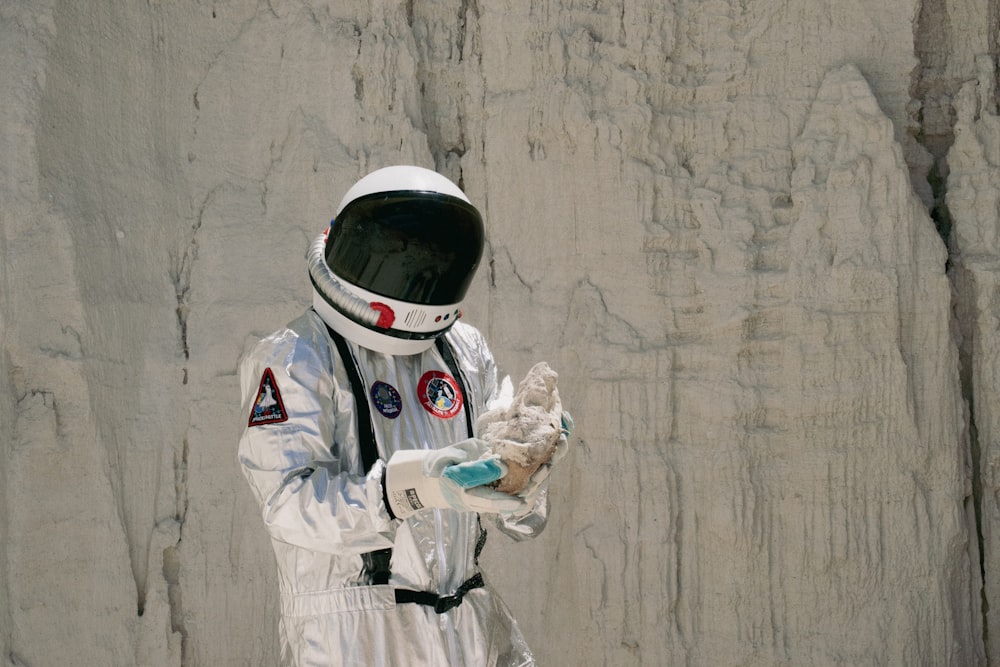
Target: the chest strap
(377, 564)
(366, 433)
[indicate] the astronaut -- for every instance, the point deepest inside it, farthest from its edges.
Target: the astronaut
(359, 443)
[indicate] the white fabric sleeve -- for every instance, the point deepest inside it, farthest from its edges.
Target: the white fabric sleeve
(310, 488)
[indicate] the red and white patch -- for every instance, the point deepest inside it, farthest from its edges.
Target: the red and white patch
(439, 394)
(267, 407)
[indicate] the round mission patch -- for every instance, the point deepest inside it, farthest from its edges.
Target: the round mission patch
(439, 394)
(386, 399)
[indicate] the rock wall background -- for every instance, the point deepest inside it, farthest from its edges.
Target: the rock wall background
(721, 221)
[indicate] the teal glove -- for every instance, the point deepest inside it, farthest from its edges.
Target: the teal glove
(562, 447)
(476, 473)
(567, 423)
(416, 479)
(487, 471)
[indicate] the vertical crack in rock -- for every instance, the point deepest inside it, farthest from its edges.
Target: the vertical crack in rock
(180, 276)
(933, 87)
(171, 574)
(439, 33)
(975, 453)
(993, 17)
(8, 416)
(172, 554)
(936, 82)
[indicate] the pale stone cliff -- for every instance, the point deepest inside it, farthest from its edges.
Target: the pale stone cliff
(760, 242)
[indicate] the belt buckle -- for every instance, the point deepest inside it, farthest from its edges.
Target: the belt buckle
(447, 602)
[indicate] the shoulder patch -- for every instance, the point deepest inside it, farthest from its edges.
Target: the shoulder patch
(267, 407)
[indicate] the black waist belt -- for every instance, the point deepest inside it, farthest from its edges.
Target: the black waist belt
(441, 603)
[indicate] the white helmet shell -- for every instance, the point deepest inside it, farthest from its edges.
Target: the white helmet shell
(401, 177)
(398, 258)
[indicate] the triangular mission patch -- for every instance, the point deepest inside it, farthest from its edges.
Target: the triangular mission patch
(267, 407)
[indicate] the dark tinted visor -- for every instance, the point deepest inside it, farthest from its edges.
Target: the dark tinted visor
(420, 247)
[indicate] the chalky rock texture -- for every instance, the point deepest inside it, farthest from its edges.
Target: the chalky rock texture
(759, 241)
(525, 433)
(974, 203)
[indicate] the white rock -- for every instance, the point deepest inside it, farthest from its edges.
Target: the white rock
(525, 433)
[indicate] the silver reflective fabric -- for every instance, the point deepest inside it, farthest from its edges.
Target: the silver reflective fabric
(303, 463)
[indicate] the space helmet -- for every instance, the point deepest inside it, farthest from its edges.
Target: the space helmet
(391, 271)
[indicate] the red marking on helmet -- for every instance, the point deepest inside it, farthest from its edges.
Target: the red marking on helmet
(386, 316)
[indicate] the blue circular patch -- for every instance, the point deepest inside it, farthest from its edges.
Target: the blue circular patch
(386, 399)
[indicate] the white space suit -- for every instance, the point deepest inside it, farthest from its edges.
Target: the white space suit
(324, 500)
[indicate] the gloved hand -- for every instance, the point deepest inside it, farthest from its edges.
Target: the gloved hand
(567, 423)
(562, 447)
(539, 481)
(415, 479)
(476, 473)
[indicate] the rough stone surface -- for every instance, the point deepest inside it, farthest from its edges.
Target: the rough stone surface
(720, 221)
(973, 200)
(526, 433)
